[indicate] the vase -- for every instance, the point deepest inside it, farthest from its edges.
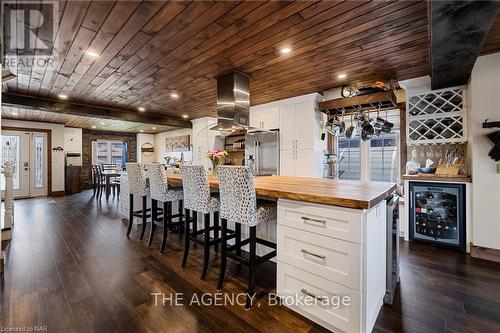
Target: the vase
(215, 166)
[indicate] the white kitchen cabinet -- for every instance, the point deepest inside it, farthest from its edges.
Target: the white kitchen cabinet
(203, 140)
(306, 127)
(332, 253)
(267, 118)
(287, 162)
(299, 163)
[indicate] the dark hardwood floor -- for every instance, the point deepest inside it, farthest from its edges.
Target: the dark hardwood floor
(70, 267)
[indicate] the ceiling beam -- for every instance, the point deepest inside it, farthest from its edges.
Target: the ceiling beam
(16, 100)
(458, 31)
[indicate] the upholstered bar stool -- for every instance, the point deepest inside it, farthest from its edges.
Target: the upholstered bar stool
(197, 199)
(239, 206)
(161, 192)
(137, 186)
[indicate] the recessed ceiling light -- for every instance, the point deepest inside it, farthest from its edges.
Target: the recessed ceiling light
(286, 50)
(341, 76)
(141, 131)
(153, 127)
(62, 96)
(102, 122)
(93, 126)
(15, 113)
(92, 54)
(184, 116)
(141, 109)
(174, 95)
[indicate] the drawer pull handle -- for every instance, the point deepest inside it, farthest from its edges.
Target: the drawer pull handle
(305, 292)
(312, 254)
(306, 219)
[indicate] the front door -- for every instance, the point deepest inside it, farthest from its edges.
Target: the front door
(27, 151)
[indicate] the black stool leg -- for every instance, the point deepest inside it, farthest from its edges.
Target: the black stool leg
(206, 247)
(237, 240)
(154, 217)
(195, 225)
(144, 220)
(130, 213)
(167, 219)
(181, 226)
(251, 274)
(216, 230)
(186, 238)
(223, 258)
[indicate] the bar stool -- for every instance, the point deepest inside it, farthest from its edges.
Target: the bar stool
(239, 205)
(137, 186)
(197, 199)
(160, 191)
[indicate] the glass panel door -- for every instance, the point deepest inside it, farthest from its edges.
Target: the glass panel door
(437, 213)
(10, 153)
(38, 169)
(16, 149)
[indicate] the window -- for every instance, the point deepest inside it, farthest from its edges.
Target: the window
(384, 158)
(108, 152)
(349, 151)
(374, 160)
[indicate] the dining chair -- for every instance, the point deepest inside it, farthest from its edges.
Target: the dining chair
(163, 193)
(137, 187)
(197, 199)
(239, 205)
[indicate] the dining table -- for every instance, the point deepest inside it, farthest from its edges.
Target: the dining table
(108, 174)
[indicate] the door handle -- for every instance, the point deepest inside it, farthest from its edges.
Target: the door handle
(312, 254)
(308, 219)
(304, 291)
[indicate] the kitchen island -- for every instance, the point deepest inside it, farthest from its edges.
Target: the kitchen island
(331, 247)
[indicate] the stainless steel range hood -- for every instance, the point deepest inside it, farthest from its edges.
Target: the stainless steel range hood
(233, 103)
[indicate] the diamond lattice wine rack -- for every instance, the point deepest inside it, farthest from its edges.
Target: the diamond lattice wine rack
(437, 117)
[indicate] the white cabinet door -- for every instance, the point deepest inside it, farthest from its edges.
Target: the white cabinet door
(287, 162)
(287, 127)
(304, 126)
(305, 163)
(256, 118)
(271, 118)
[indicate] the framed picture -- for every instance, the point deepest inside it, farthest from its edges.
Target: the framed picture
(178, 143)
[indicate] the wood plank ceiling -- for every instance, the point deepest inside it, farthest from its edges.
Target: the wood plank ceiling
(92, 123)
(149, 50)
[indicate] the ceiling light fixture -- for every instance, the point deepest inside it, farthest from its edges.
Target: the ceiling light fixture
(153, 127)
(174, 95)
(341, 76)
(141, 131)
(92, 54)
(184, 116)
(62, 96)
(102, 123)
(15, 113)
(286, 50)
(93, 126)
(141, 109)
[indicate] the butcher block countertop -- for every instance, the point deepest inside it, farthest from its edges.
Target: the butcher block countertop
(343, 193)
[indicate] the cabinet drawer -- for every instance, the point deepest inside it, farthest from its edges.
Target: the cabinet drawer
(331, 312)
(336, 260)
(335, 222)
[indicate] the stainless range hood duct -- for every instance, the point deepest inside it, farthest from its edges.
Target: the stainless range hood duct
(233, 103)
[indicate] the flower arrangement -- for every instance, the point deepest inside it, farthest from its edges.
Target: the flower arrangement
(216, 156)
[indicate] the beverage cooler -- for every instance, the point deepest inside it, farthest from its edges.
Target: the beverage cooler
(437, 213)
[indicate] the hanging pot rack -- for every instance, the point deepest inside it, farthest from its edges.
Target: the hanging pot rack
(382, 101)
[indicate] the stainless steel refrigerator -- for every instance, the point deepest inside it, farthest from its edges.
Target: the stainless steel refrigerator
(262, 147)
